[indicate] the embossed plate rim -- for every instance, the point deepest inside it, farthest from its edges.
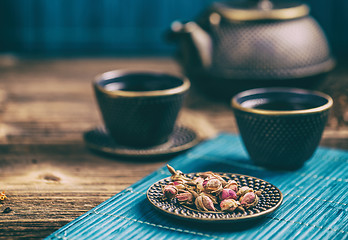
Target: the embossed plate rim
(161, 150)
(217, 219)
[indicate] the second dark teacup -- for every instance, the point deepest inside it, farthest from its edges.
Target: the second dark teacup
(140, 108)
(281, 127)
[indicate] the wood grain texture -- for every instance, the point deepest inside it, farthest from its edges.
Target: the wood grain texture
(46, 171)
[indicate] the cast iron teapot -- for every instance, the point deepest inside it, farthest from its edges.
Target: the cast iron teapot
(242, 44)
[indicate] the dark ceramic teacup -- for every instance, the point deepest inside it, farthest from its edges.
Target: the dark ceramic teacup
(281, 127)
(140, 108)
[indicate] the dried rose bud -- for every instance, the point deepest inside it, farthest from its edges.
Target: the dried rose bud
(180, 177)
(206, 174)
(223, 181)
(249, 200)
(194, 193)
(212, 197)
(179, 184)
(212, 185)
(211, 174)
(177, 175)
(227, 193)
(229, 205)
(231, 184)
(185, 197)
(169, 191)
(198, 182)
(171, 169)
(204, 203)
(243, 190)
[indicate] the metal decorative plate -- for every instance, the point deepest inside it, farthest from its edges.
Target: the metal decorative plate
(270, 199)
(181, 139)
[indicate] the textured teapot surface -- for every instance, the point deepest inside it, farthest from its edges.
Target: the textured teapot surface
(245, 41)
(272, 49)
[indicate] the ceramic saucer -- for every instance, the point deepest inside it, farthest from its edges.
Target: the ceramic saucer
(270, 199)
(182, 139)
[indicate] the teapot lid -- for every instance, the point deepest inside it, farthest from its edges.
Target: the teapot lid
(250, 10)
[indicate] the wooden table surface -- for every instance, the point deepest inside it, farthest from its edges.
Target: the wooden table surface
(48, 174)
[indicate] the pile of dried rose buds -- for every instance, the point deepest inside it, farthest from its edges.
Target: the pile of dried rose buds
(209, 192)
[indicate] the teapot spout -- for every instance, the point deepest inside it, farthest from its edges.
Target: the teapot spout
(198, 37)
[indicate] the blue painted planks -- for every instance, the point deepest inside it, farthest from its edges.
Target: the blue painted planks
(118, 26)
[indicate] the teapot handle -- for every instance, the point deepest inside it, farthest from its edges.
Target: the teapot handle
(199, 38)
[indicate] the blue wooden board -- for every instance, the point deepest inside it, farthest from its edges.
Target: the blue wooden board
(120, 27)
(314, 207)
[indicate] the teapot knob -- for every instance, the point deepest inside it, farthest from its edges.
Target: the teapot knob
(265, 4)
(214, 18)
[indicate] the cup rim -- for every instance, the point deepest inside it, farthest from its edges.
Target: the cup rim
(121, 93)
(326, 106)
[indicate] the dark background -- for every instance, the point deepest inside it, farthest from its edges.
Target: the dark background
(123, 27)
